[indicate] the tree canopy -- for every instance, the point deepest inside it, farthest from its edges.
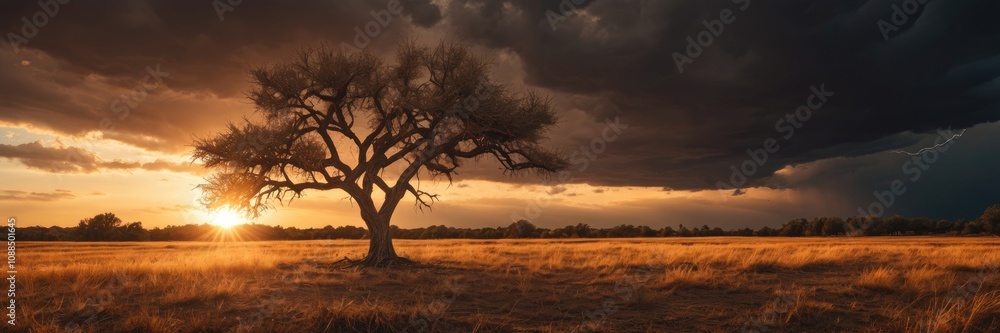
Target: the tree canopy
(331, 120)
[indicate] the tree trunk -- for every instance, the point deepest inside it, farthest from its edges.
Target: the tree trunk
(380, 245)
(381, 253)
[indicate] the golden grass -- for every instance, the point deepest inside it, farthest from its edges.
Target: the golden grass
(882, 278)
(914, 284)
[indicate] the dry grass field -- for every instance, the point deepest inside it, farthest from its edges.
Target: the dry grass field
(904, 284)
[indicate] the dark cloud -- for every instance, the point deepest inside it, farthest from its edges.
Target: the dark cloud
(52, 159)
(78, 160)
(957, 180)
(937, 71)
(119, 38)
(423, 13)
(607, 59)
(89, 55)
(557, 190)
(16, 195)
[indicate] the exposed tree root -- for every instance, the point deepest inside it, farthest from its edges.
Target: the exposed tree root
(377, 262)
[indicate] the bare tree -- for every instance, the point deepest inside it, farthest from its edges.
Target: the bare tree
(354, 122)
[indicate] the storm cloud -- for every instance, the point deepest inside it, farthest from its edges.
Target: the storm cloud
(716, 94)
(78, 160)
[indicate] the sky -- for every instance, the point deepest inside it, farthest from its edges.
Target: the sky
(733, 113)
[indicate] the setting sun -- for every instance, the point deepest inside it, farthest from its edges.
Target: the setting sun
(226, 218)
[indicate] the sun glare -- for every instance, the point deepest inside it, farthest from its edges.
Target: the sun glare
(226, 218)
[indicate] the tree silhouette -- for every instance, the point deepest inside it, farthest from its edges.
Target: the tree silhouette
(108, 227)
(356, 123)
(100, 227)
(991, 219)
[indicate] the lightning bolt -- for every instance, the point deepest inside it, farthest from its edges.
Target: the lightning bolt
(953, 137)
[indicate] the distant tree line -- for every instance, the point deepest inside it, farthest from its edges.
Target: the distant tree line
(108, 227)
